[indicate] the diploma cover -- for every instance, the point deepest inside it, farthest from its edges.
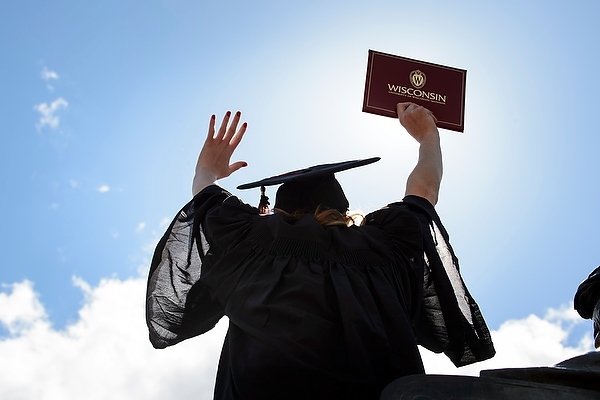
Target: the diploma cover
(394, 79)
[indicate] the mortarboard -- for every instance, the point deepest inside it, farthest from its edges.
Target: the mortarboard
(308, 188)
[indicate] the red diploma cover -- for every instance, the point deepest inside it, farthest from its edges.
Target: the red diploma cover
(393, 79)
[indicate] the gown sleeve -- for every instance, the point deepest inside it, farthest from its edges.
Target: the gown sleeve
(449, 320)
(178, 304)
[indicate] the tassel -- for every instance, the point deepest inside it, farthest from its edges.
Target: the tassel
(263, 206)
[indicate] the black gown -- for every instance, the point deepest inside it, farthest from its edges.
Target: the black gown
(314, 312)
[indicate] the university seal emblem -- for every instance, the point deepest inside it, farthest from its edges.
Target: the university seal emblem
(417, 79)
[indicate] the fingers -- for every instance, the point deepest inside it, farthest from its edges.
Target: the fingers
(402, 108)
(223, 128)
(405, 107)
(226, 131)
(237, 138)
(230, 132)
(237, 165)
(211, 127)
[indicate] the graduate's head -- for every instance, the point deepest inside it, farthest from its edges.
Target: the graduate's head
(310, 188)
(309, 194)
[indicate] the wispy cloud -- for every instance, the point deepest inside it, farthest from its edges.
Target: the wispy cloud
(48, 113)
(103, 188)
(49, 75)
(141, 226)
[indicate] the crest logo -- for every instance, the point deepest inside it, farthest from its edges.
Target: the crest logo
(417, 79)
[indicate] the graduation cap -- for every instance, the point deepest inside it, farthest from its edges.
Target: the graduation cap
(308, 188)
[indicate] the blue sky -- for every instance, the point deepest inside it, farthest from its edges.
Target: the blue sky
(106, 105)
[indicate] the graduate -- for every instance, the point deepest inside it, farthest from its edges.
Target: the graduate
(320, 306)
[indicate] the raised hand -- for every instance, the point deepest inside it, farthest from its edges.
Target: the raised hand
(214, 161)
(417, 120)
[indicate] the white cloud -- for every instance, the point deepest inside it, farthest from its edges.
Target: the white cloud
(21, 310)
(141, 226)
(106, 352)
(48, 74)
(48, 112)
(74, 183)
(528, 342)
(83, 285)
(103, 188)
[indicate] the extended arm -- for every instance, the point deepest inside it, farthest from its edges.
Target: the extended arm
(214, 159)
(424, 180)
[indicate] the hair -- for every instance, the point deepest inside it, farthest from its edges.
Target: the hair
(326, 216)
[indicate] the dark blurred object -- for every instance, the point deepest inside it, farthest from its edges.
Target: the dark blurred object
(581, 372)
(587, 302)
(576, 378)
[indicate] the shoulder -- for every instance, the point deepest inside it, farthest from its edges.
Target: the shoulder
(405, 222)
(216, 200)
(221, 213)
(410, 207)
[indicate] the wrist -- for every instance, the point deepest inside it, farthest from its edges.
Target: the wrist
(206, 172)
(429, 136)
(205, 176)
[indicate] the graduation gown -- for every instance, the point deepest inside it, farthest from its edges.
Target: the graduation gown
(314, 312)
